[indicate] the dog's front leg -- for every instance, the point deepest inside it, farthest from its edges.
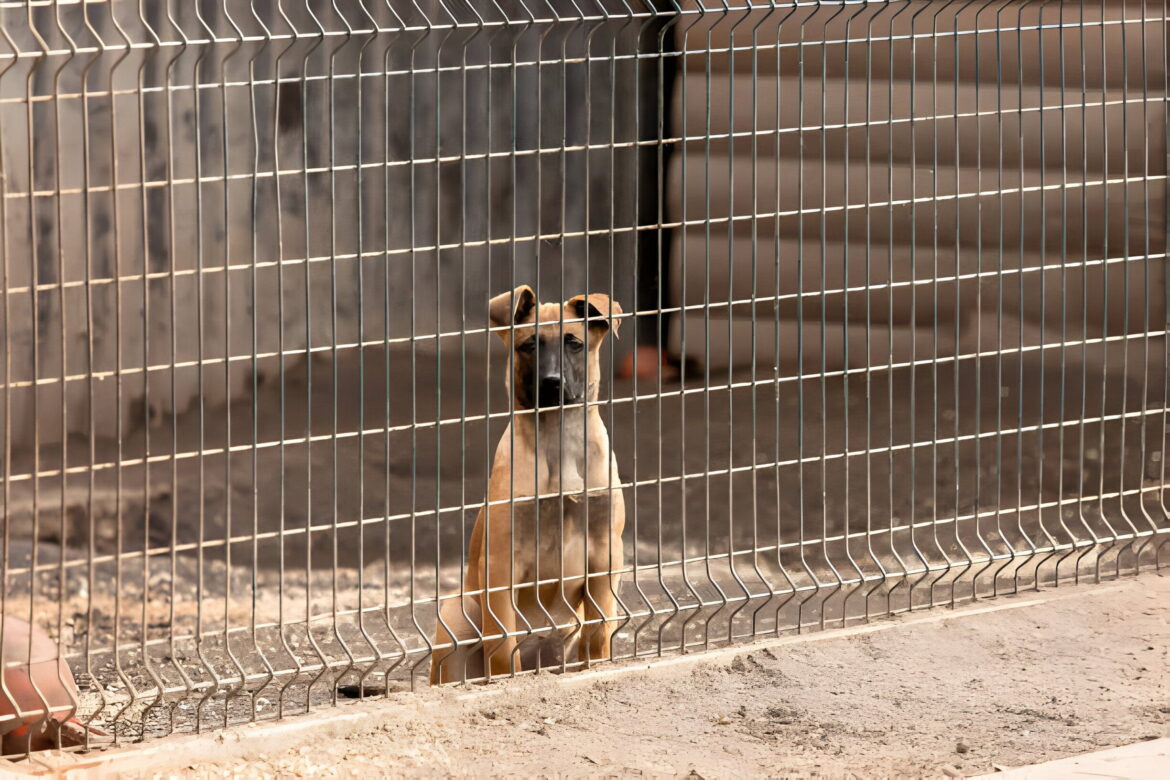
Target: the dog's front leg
(606, 560)
(601, 604)
(501, 619)
(601, 607)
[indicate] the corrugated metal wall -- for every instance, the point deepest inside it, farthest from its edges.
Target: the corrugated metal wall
(915, 149)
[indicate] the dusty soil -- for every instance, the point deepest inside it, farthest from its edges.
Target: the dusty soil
(1079, 670)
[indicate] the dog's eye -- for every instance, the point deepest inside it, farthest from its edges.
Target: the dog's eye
(572, 342)
(526, 346)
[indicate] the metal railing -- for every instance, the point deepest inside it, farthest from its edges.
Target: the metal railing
(909, 257)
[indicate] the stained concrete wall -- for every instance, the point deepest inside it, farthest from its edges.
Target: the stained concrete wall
(169, 205)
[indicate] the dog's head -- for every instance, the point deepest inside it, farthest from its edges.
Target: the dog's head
(554, 347)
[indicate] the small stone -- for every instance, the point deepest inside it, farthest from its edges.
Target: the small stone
(783, 715)
(722, 720)
(962, 747)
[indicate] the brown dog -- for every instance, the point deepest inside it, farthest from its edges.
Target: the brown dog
(545, 558)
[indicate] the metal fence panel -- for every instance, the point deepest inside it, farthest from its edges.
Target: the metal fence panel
(912, 256)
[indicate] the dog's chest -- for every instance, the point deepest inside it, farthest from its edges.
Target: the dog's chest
(563, 532)
(569, 521)
(561, 463)
(558, 456)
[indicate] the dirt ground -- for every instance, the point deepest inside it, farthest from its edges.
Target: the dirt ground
(1036, 677)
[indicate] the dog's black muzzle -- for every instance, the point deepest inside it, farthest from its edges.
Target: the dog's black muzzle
(554, 381)
(549, 392)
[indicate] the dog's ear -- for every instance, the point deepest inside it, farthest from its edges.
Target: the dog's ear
(510, 308)
(598, 309)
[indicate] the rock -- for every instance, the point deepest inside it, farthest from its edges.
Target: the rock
(783, 715)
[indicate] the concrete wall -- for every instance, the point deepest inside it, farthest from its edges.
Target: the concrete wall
(160, 147)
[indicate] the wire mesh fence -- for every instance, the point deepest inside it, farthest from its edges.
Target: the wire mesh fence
(910, 258)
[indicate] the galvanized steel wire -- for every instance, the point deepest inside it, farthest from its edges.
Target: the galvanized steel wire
(912, 256)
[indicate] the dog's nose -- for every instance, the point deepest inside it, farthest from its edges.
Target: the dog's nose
(550, 391)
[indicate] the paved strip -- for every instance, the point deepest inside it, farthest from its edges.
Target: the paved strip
(1142, 761)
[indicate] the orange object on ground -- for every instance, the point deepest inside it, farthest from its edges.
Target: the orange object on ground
(649, 359)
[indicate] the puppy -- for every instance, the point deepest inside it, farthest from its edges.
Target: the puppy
(545, 554)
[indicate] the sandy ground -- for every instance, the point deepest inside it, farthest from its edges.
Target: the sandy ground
(1035, 678)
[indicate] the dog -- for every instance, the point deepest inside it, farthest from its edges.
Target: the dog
(545, 554)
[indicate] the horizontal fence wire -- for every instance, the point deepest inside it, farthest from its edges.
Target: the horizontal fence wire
(892, 298)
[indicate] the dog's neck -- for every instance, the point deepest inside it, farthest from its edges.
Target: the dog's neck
(559, 433)
(564, 447)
